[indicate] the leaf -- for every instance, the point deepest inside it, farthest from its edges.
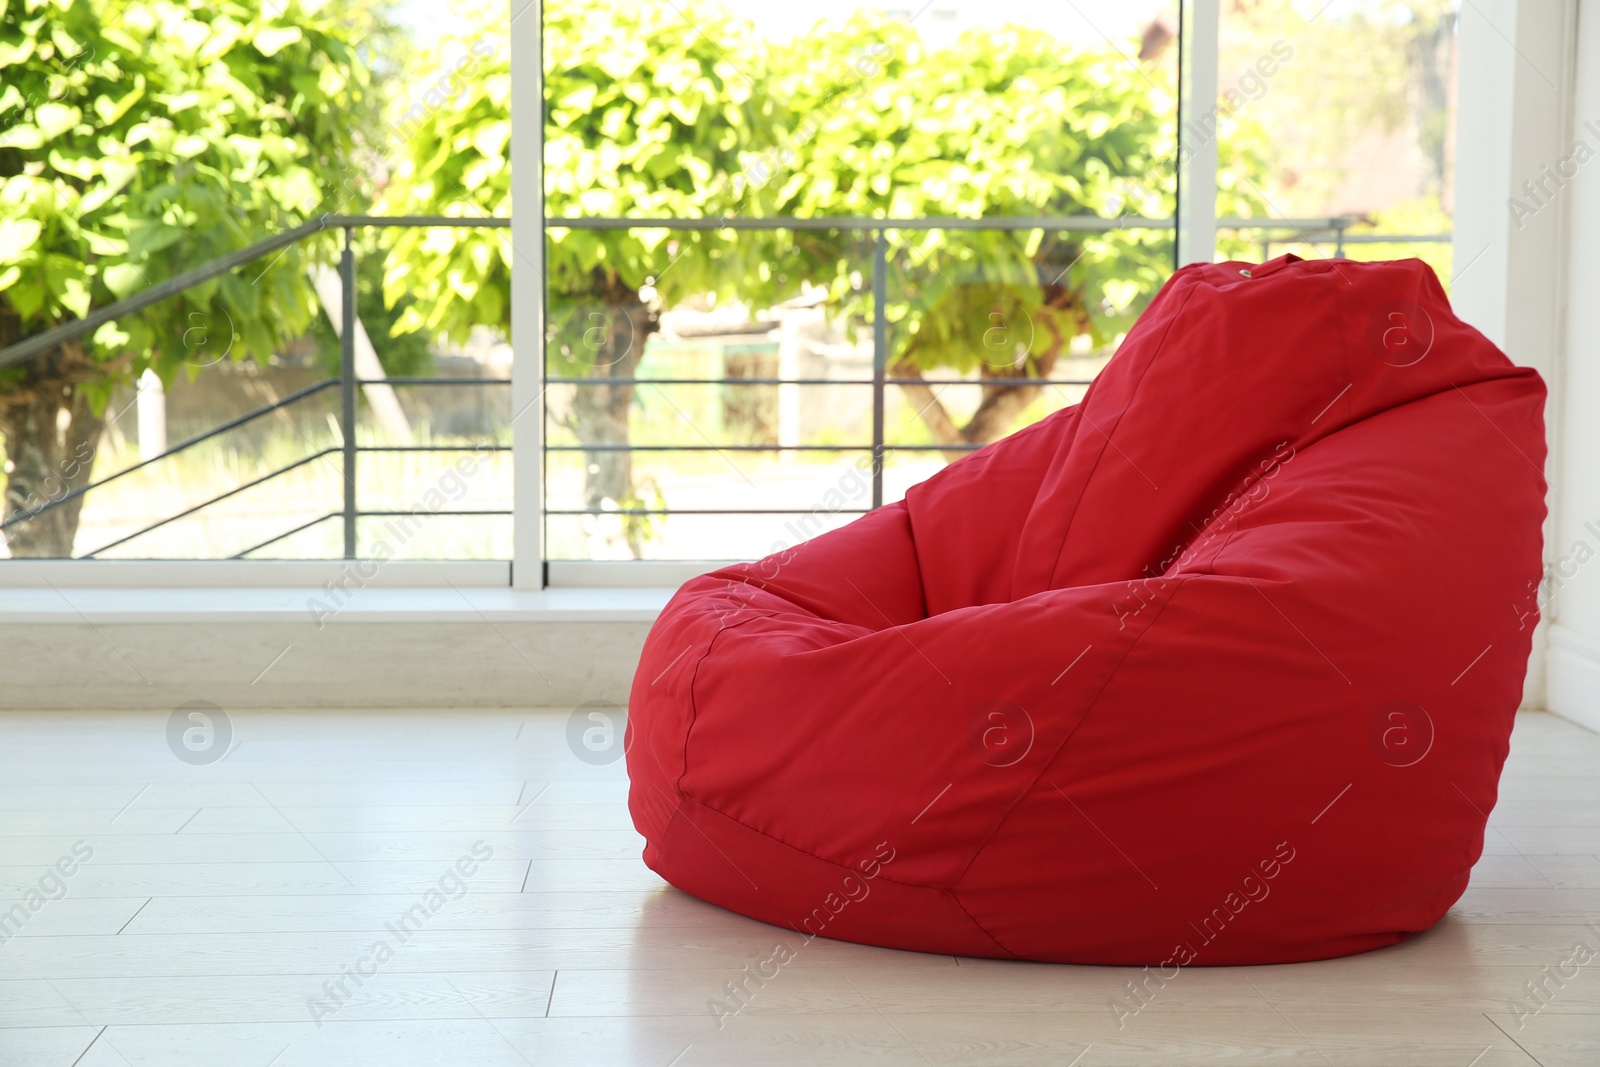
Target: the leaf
(271, 40)
(14, 53)
(579, 100)
(101, 245)
(686, 111)
(150, 236)
(111, 336)
(490, 139)
(19, 239)
(74, 296)
(66, 47)
(189, 146)
(123, 279)
(177, 103)
(24, 136)
(83, 168)
(27, 297)
(115, 175)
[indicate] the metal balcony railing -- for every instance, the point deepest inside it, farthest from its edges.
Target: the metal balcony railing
(1331, 230)
(348, 383)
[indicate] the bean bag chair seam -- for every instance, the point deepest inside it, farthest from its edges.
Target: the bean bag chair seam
(694, 710)
(1434, 290)
(1105, 436)
(999, 824)
(1023, 794)
(1511, 372)
(955, 898)
(880, 877)
(1445, 890)
(681, 813)
(682, 792)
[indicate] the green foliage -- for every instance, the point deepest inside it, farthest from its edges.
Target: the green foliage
(1003, 122)
(650, 113)
(1322, 100)
(141, 138)
(646, 115)
(448, 152)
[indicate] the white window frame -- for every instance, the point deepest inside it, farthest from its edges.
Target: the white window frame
(527, 296)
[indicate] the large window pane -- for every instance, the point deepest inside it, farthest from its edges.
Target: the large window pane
(1320, 159)
(209, 424)
(716, 391)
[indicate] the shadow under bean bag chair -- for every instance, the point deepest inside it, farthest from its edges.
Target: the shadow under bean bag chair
(1218, 666)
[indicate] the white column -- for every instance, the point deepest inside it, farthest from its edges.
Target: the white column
(150, 398)
(527, 294)
(1197, 134)
(789, 366)
(1572, 684)
(1509, 273)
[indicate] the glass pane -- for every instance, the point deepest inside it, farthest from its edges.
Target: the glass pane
(218, 456)
(720, 369)
(205, 425)
(1321, 162)
(657, 414)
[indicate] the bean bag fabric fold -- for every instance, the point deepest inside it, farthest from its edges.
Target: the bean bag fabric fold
(1218, 666)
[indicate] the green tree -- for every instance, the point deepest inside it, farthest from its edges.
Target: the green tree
(139, 138)
(649, 112)
(1321, 102)
(1004, 122)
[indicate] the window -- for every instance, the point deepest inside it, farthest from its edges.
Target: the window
(788, 262)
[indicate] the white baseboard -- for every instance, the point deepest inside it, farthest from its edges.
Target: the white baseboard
(1572, 676)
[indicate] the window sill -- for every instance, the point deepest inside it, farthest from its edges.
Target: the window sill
(97, 605)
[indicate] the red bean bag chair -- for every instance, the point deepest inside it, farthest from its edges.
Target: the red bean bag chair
(1218, 666)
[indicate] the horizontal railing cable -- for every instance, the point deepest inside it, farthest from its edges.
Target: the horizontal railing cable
(231, 424)
(251, 484)
(1332, 229)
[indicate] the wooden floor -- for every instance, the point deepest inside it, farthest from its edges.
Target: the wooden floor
(222, 902)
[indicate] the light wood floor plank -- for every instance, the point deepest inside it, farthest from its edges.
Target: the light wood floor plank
(44, 1046)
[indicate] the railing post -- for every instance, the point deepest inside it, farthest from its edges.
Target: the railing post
(880, 356)
(347, 387)
(1338, 237)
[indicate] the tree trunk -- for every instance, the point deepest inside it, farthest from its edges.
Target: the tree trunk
(1001, 403)
(1432, 51)
(51, 433)
(613, 346)
(999, 408)
(929, 409)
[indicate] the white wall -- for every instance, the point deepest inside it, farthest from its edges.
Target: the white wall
(1510, 281)
(1573, 667)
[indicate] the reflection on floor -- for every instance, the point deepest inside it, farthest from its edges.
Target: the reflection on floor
(459, 887)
